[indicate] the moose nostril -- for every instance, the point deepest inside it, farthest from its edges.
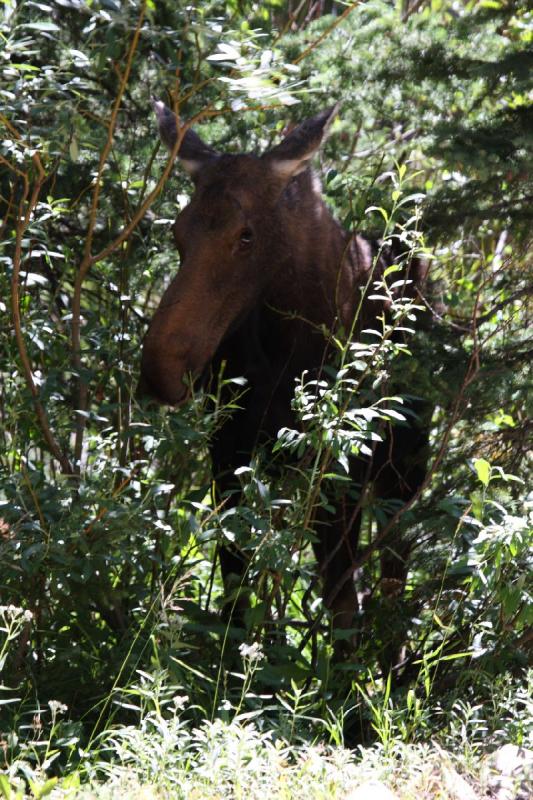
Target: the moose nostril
(161, 380)
(246, 237)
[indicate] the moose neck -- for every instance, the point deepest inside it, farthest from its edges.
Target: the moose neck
(316, 278)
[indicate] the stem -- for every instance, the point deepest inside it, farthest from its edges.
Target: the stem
(87, 259)
(24, 215)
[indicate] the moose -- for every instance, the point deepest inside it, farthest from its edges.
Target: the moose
(264, 270)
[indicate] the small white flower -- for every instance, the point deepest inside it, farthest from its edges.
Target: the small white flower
(251, 652)
(11, 612)
(57, 708)
(179, 701)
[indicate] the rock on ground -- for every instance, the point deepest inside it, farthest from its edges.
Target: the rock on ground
(371, 790)
(512, 777)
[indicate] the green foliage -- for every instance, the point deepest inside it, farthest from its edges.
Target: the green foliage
(108, 529)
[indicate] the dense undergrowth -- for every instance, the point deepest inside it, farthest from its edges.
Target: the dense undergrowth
(113, 650)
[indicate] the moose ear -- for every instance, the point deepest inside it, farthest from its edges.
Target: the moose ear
(295, 152)
(193, 152)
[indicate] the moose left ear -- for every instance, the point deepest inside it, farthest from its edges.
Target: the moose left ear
(193, 153)
(295, 152)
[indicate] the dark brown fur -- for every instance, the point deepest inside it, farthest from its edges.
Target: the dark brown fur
(265, 270)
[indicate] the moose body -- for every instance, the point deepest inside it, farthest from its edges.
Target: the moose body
(265, 272)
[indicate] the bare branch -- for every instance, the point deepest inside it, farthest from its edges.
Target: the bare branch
(87, 260)
(24, 214)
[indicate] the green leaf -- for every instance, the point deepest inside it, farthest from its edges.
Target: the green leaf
(74, 150)
(26, 67)
(392, 268)
(43, 789)
(381, 211)
(42, 26)
(71, 781)
(389, 412)
(5, 788)
(483, 470)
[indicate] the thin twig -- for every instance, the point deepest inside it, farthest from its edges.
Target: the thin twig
(348, 10)
(24, 214)
(87, 260)
(412, 9)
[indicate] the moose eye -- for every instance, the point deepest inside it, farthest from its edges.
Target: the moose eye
(245, 239)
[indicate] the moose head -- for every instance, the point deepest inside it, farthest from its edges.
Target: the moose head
(235, 238)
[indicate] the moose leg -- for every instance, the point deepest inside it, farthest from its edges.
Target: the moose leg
(335, 550)
(400, 472)
(233, 561)
(231, 448)
(233, 568)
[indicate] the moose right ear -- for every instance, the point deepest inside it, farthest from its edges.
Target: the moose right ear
(295, 152)
(193, 152)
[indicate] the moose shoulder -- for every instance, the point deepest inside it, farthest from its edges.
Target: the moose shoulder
(264, 271)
